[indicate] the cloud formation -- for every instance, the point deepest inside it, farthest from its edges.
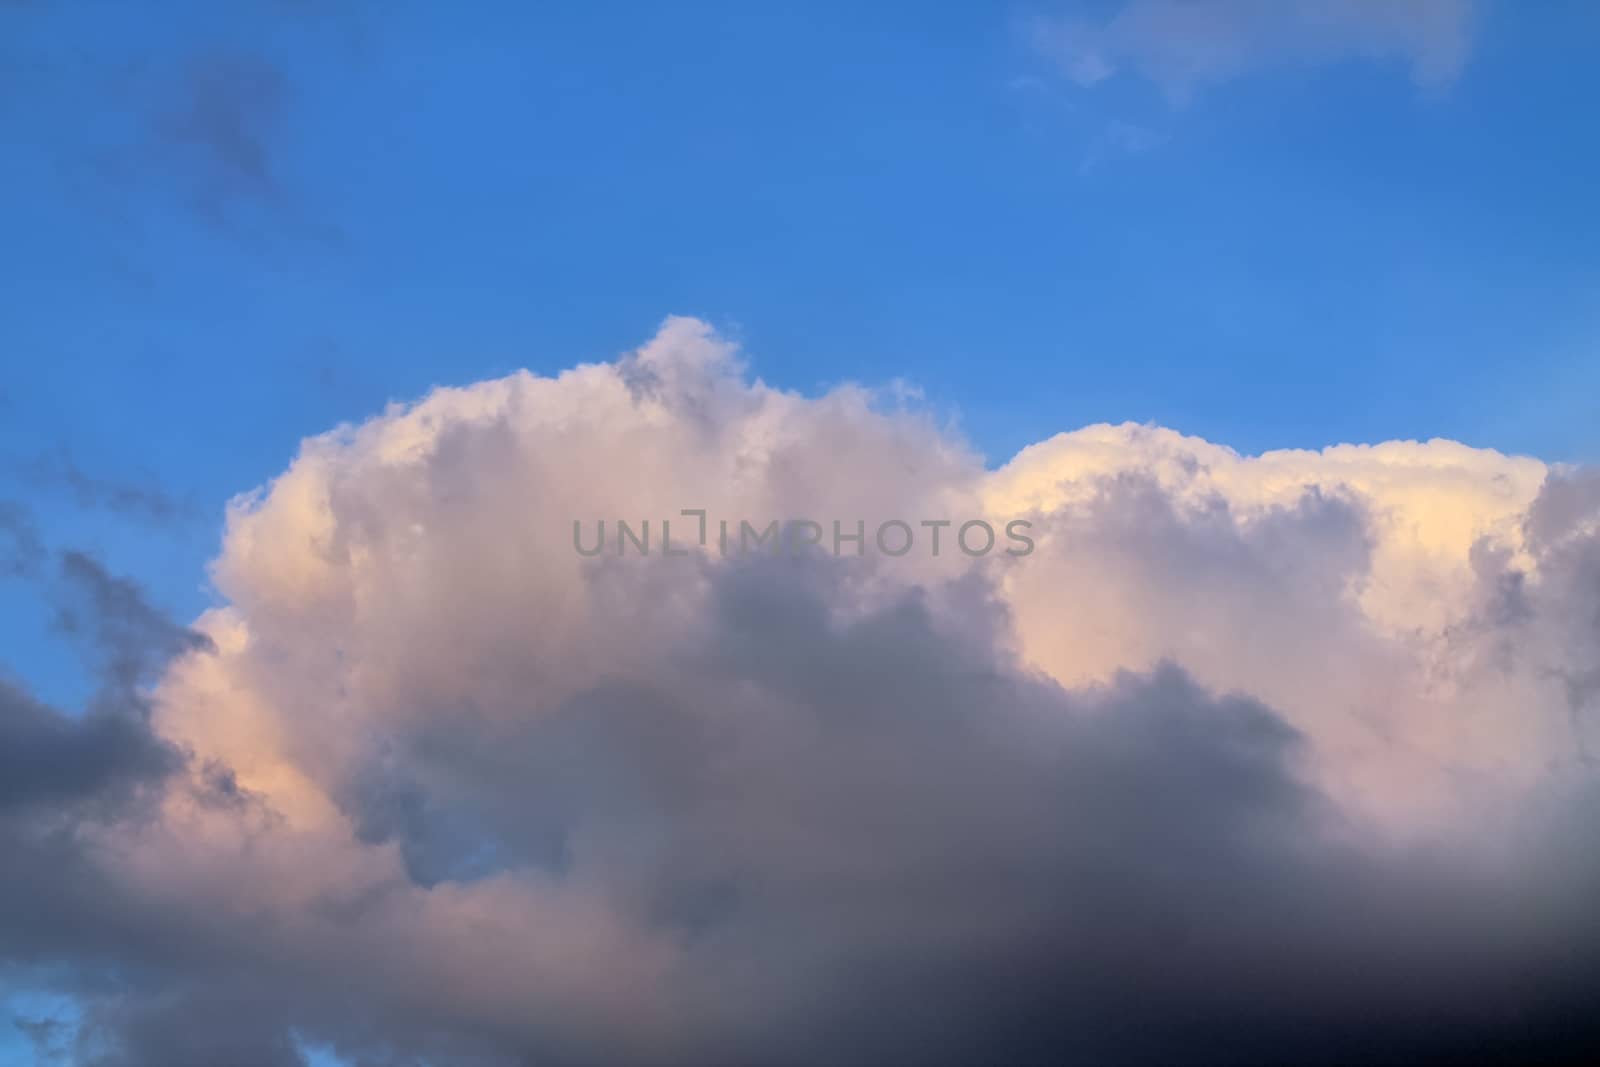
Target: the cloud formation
(1184, 47)
(1256, 759)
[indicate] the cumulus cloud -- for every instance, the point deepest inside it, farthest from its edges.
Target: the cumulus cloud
(1256, 758)
(1184, 47)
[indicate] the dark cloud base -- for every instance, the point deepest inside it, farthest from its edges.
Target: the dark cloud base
(875, 839)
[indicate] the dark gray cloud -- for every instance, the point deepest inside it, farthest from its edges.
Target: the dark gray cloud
(55, 761)
(69, 782)
(193, 1026)
(47, 757)
(907, 850)
(127, 638)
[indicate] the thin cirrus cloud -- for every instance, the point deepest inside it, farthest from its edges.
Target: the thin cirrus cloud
(1256, 759)
(1185, 47)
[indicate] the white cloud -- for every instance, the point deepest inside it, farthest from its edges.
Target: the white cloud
(493, 798)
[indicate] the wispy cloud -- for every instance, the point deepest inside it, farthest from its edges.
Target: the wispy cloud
(205, 127)
(1185, 46)
(145, 500)
(21, 551)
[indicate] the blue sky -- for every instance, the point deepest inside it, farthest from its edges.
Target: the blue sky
(234, 228)
(227, 227)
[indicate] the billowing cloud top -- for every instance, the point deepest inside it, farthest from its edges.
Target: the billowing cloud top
(1253, 759)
